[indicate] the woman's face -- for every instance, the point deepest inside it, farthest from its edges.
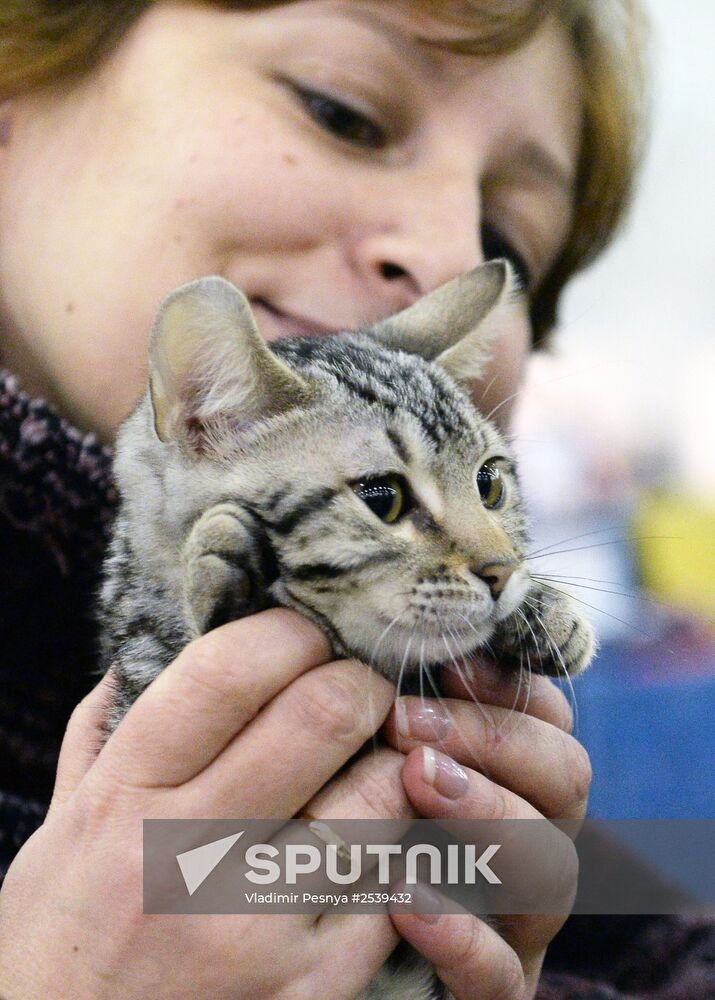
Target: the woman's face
(316, 154)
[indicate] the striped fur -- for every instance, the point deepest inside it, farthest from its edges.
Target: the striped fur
(377, 411)
(236, 472)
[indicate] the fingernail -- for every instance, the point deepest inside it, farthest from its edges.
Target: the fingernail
(426, 904)
(444, 774)
(417, 720)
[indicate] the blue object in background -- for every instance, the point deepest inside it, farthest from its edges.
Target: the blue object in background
(651, 738)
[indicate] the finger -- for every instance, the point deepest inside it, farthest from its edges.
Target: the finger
(367, 938)
(469, 957)
(479, 679)
(82, 740)
(538, 861)
(195, 707)
(370, 788)
(531, 757)
(440, 788)
(295, 745)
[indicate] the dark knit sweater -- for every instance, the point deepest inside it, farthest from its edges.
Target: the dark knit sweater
(57, 500)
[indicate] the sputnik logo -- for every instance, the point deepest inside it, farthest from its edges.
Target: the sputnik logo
(196, 865)
(304, 859)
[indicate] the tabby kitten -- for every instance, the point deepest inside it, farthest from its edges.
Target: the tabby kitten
(349, 477)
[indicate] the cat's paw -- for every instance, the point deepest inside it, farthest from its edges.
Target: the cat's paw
(217, 578)
(565, 638)
(548, 634)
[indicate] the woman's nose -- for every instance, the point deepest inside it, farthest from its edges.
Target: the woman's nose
(425, 233)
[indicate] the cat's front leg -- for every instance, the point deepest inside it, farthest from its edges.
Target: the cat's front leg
(547, 634)
(222, 558)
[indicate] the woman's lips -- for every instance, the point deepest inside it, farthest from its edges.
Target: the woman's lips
(284, 324)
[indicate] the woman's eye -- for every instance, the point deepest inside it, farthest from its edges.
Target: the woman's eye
(341, 120)
(386, 496)
(495, 245)
(491, 485)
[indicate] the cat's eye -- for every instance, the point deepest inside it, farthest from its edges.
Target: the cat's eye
(491, 485)
(340, 119)
(386, 496)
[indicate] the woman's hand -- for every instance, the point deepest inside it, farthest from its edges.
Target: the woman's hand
(535, 769)
(211, 737)
(251, 720)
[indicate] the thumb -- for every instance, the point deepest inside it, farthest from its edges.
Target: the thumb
(83, 740)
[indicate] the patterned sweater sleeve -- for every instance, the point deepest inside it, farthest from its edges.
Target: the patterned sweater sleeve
(638, 958)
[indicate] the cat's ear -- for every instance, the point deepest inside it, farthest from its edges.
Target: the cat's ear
(457, 323)
(210, 370)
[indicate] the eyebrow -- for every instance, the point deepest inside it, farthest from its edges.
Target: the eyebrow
(401, 43)
(530, 154)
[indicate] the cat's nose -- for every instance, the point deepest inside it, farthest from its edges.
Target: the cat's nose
(496, 576)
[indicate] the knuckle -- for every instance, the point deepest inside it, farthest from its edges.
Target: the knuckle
(91, 706)
(78, 715)
(329, 704)
(498, 805)
(491, 739)
(210, 664)
(302, 629)
(377, 786)
(101, 806)
(221, 661)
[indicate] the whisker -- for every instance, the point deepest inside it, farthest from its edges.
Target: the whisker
(600, 610)
(425, 671)
(591, 579)
(483, 644)
(469, 749)
(598, 545)
(573, 538)
(491, 382)
(401, 671)
(541, 384)
(464, 677)
(521, 670)
(568, 581)
(489, 719)
(433, 685)
(512, 711)
(392, 623)
(558, 658)
(522, 651)
(567, 677)
(372, 660)
(422, 659)
(520, 681)
(530, 672)
(503, 402)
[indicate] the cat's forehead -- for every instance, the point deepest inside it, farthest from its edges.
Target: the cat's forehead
(419, 405)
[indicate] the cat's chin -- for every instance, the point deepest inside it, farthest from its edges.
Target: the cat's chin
(407, 655)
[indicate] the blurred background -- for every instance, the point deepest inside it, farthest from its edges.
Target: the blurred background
(616, 432)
